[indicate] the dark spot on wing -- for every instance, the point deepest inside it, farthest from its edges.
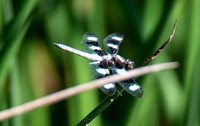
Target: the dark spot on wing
(99, 52)
(129, 81)
(113, 50)
(103, 76)
(95, 43)
(114, 42)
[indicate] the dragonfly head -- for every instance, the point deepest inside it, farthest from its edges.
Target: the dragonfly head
(129, 65)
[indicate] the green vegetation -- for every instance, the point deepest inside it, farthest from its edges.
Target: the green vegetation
(32, 67)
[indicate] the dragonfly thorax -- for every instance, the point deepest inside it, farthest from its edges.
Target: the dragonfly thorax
(117, 61)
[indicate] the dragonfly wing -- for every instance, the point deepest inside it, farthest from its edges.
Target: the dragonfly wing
(99, 71)
(132, 88)
(90, 44)
(130, 85)
(111, 43)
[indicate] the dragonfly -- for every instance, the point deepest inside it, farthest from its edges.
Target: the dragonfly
(103, 65)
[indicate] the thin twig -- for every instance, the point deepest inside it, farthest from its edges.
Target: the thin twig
(104, 104)
(61, 95)
(154, 55)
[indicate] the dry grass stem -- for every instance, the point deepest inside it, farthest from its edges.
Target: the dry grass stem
(61, 95)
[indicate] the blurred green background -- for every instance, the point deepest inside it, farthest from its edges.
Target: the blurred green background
(31, 67)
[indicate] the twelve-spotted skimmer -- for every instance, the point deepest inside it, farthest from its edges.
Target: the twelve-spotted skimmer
(103, 65)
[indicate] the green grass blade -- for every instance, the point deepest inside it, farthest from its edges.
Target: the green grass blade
(12, 37)
(191, 74)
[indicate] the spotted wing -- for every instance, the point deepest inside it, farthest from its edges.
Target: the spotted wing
(98, 70)
(90, 44)
(130, 85)
(111, 43)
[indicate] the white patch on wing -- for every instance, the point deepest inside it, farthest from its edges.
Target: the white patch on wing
(95, 48)
(109, 85)
(102, 71)
(92, 38)
(119, 71)
(117, 38)
(113, 46)
(134, 87)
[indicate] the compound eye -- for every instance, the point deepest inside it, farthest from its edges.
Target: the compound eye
(129, 64)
